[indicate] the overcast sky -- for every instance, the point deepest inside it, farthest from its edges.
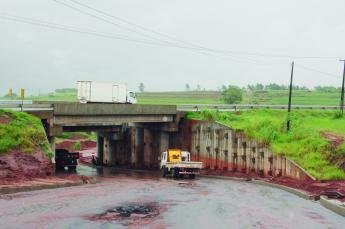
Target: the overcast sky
(43, 59)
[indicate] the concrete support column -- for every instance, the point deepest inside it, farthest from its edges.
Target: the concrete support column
(100, 148)
(148, 145)
(163, 142)
(137, 147)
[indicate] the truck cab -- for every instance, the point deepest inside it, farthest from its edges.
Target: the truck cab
(177, 163)
(131, 97)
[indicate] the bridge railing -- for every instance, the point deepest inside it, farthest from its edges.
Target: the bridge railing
(26, 106)
(235, 107)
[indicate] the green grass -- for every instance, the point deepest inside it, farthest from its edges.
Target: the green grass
(304, 144)
(77, 135)
(23, 132)
(77, 146)
(274, 97)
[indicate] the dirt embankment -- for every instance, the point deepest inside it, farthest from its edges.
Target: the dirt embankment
(314, 188)
(17, 166)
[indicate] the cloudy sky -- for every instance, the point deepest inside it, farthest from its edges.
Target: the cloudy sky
(216, 42)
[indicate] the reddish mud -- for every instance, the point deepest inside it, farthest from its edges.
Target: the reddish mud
(17, 166)
(316, 188)
(5, 119)
(41, 183)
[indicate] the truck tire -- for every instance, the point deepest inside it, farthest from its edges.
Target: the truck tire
(164, 172)
(191, 176)
(176, 173)
(72, 168)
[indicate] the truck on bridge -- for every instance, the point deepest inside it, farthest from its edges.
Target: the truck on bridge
(177, 163)
(94, 92)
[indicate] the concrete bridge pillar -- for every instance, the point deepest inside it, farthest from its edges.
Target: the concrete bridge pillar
(137, 147)
(100, 147)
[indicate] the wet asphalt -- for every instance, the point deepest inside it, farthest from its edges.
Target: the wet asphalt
(125, 199)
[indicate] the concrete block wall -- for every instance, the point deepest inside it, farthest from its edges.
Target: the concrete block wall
(222, 148)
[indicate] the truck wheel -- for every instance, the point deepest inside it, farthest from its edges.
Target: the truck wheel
(72, 168)
(191, 176)
(176, 173)
(59, 168)
(164, 172)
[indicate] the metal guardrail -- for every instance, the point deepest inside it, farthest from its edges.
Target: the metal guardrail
(15, 102)
(26, 107)
(235, 107)
(30, 106)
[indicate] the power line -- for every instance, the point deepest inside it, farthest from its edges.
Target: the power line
(195, 45)
(318, 71)
(191, 46)
(68, 28)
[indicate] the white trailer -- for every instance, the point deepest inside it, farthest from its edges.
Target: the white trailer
(94, 92)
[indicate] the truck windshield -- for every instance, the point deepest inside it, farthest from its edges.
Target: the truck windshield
(132, 94)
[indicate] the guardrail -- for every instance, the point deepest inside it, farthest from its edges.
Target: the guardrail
(235, 107)
(15, 102)
(30, 106)
(27, 107)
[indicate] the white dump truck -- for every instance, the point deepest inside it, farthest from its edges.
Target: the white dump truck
(94, 92)
(177, 163)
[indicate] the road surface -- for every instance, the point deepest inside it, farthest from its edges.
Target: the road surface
(132, 200)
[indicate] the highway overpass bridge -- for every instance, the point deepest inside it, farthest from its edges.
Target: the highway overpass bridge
(127, 134)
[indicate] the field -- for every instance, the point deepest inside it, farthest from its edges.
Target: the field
(308, 142)
(274, 97)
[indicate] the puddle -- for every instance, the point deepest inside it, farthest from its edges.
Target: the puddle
(186, 184)
(129, 213)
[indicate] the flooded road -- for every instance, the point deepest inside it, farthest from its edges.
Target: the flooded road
(131, 200)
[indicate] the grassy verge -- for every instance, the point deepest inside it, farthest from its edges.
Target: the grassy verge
(21, 131)
(305, 143)
(76, 135)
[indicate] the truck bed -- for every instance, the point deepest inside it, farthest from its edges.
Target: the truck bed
(185, 164)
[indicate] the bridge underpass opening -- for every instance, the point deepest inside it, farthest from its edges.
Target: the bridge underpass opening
(127, 145)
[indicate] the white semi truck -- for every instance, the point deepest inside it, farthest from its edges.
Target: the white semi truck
(94, 92)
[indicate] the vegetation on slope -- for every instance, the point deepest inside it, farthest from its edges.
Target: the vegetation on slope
(306, 143)
(21, 131)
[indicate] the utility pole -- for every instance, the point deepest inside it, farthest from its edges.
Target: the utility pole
(342, 91)
(290, 94)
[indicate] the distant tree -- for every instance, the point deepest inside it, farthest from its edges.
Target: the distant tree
(256, 87)
(259, 87)
(250, 87)
(198, 87)
(326, 88)
(187, 87)
(232, 94)
(274, 86)
(141, 87)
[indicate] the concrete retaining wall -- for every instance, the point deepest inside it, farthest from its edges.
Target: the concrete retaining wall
(222, 148)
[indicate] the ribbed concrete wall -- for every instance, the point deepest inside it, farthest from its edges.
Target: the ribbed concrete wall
(221, 148)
